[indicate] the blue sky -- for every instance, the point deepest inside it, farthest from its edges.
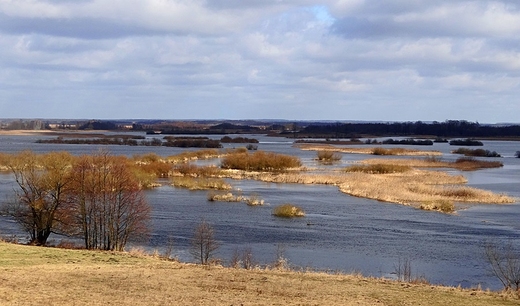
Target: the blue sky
(261, 59)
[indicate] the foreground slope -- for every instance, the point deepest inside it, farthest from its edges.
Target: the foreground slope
(49, 276)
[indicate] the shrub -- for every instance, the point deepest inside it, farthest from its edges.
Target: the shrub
(445, 206)
(260, 161)
(328, 156)
(188, 169)
(288, 211)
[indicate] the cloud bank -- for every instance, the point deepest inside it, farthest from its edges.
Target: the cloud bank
(230, 59)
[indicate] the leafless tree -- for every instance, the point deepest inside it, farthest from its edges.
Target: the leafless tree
(204, 244)
(109, 204)
(504, 264)
(41, 204)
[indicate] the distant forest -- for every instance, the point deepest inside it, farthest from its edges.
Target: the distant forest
(450, 128)
(293, 129)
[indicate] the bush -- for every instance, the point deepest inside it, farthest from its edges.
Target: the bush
(445, 206)
(288, 211)
(260, 161)
(328, 156)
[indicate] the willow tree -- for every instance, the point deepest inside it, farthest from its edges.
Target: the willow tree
(41, 204)
(110, 208)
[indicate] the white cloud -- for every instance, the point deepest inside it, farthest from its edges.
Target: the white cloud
(299, 59)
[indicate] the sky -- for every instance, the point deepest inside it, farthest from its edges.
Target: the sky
(389, 60)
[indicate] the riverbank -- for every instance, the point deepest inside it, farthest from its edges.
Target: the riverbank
(50, 276)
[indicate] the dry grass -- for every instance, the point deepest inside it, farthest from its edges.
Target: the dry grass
(288, 211)
(328, 157)
(47, 276)
(260, 161)
(463, 164)
(200, 183)
(378, 168)
(252, 200)
(369, 150)
(412, 187)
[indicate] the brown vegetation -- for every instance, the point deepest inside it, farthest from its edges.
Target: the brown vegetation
(252, 200)
(463, 163)
(260, 161)
(288, 211)
(200, 183)
(369, 150)
(51, 276)
(328, 157)
(96, 197)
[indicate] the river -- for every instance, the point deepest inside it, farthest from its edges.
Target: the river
(339, 232)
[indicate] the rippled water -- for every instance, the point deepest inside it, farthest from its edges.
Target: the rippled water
(339, 232)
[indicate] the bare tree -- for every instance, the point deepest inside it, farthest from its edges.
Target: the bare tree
(109, 204)
(41, 204)
(204, 244)
(504, 264)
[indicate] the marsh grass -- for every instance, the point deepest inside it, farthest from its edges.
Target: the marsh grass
(260, 161)
(378, 168)
(445, 206)
(463, 163)
(192, 170)
(288, 211)
(328, 157)
(369, 150)
(202, 183)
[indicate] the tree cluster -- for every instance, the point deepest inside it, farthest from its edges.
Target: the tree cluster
(97, 197)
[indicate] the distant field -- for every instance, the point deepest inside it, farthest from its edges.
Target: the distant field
(50, 276)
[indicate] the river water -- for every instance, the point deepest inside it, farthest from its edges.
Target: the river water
(339, 232)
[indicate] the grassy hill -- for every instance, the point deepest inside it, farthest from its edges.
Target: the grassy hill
(50, 276)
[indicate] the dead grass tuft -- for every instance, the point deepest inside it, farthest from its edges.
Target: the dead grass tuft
(200, 183)
(288, 211)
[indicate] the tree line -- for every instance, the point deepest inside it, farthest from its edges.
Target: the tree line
(449, 128)
(96, 197)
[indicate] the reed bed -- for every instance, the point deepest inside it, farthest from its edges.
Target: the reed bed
(416, 187)
(192, 170)
(194, 155)
(413, 187)
(203, 183)
(463, 163)
(260, 161)
(378, 168)
(369, 150)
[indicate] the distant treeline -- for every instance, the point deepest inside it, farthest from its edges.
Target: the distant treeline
(451, 128)
(169, 141)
